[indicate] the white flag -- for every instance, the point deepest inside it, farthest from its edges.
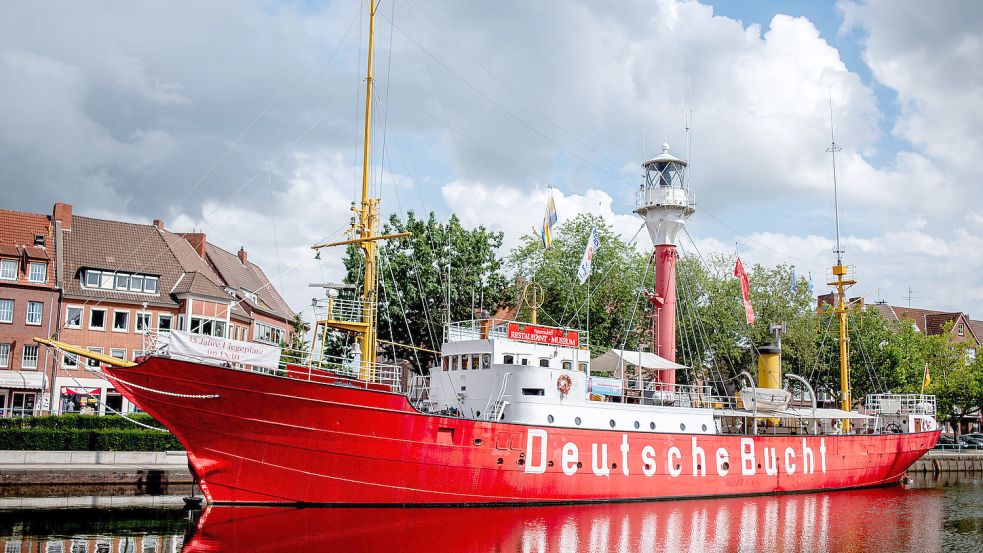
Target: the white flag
(593, 243)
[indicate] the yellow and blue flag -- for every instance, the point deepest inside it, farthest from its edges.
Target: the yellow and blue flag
(546, 233)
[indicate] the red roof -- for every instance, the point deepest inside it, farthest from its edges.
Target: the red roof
(17, 232)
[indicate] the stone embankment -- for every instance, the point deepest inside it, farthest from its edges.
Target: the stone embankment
(952, 460)
(144, 469)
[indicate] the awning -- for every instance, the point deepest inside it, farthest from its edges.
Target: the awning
(23, 380)
(80, 391)
(615, 359)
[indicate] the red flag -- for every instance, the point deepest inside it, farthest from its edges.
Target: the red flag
(745, 289)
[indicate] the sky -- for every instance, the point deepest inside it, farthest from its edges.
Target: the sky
(243, 120)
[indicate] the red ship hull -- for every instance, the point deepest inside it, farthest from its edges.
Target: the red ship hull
(268, 439)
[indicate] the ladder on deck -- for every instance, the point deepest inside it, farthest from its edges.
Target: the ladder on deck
(494, 411)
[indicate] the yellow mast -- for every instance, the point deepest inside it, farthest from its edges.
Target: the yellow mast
(363, 232)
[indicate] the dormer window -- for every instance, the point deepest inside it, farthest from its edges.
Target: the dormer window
(961, 329)
(251, 296)
(113, 280)
(39, 240)
(38, 272)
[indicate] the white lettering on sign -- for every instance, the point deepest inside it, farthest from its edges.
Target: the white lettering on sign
(537, 456)
(747, 456)
(534, 464)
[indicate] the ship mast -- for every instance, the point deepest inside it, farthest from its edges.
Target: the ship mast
(841, 278)
(363, 234)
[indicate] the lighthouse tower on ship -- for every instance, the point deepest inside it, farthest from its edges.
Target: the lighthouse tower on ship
(665, 202)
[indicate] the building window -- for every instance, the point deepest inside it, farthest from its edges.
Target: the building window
(143, 321)
(69, 360)
(144, 284)
(268, 334)
(137, 354)
(97, 319)
(30, 358)
(73, 317)
(970, 355)
(34, 312)
(544, 362)
(118, 353)
(251, 296)
(4, 355)
(961, 329)
(6, 311)
(92, 362)
(208, 327)
(38, 272)
(121, 321)
(163, 322)
(8, 269)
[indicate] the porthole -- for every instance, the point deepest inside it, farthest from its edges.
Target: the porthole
(611, 422)
(577, 421)
(652, 425)
(704, 428)
(637, 425)
(549, 419)
(682, 426)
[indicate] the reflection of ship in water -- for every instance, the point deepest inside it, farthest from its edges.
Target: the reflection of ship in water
(862, 520)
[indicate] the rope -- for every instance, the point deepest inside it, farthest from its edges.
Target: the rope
(152, 390)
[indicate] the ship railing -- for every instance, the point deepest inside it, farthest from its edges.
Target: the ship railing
(648, 392)
(668, 196)
(900, 404)
(340, 309)
(418, 393)
(482, 329)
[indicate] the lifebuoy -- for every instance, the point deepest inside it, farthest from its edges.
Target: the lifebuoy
(563, 384)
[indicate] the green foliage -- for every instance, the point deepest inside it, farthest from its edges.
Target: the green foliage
(617, 270)
(413, 281)
(79, 422)
(294, 349)
(86, 439)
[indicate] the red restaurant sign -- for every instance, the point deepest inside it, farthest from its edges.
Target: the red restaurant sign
(543, 335)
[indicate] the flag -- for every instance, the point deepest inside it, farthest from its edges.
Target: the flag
(745, 290)
(593, 243)
(928, 378)
(793, 281)
(546, 233)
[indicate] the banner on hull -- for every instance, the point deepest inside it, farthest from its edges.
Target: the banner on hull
(222, 349)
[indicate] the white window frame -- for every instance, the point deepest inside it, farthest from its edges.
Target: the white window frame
(68, 317)
(4, 264)
(12, 306)
(104, 317)
(44, 272)
(259, 329)
(119, 353)
(127, 328)
(134, 278)
(23, 357)
(146, 280)
(4, 355)
(147, 320)
(119, 277)
(92, 362)
(170, 321)
(137, 353)
(95, 274)
(40, 312)
(65, 356)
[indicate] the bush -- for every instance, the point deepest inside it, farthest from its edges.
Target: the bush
(80, 422)
(81, 439)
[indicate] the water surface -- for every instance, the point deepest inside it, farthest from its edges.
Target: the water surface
(928, 515)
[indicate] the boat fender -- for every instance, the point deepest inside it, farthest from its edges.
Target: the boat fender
(563, 384)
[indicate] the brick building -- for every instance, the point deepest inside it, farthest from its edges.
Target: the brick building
(115, 285)
(963, 331)
(28, 308)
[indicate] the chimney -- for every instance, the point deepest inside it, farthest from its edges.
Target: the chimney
(63, 214)
(243, 257)
(197, 241)
(159, 224)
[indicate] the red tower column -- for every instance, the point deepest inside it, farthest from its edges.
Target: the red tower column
(665, 325)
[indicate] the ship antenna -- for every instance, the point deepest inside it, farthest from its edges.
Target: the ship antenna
(833, 148)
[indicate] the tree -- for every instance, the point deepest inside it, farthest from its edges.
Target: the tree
(294, 349)
(416, 275)
(618, 312)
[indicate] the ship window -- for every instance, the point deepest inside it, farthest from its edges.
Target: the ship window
(611, 422)
(447, 363)
(567, 365)
(544, 362)
(682, 426)
(704, 428)
(637, 425)
(577, 421)
(549, 419)
(486, 361)
(533, 392)
(582, 367)
(508, 359)
(652, 425)
(465, 365)
(474, 362)
(453, 362)
(523, 360)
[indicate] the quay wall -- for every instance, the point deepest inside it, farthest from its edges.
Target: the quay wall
(139, 468)
(938, 461)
